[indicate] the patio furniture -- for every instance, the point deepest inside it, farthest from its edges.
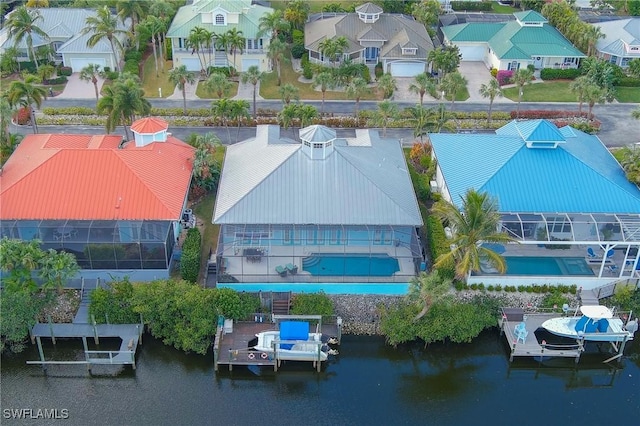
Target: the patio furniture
(590, 253)
(610, 253)
(253, 254)
(291, 268)
(281, 271)
(613, 268)
(521, 332)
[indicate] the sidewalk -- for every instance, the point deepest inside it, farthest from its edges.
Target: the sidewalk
(190, 92)
(245, 91)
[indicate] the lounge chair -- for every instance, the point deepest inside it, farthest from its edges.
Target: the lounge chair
(521, 332)
(281, 271)
(590, 253)
(610, 253)
(291, 268)
(613, 268)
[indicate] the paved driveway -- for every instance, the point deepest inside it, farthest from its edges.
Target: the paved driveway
(476, 74)
(78, 89)
(403, 94)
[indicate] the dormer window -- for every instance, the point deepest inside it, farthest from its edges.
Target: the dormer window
(220, 19)
(409, 51)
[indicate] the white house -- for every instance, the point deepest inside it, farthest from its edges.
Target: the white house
(621, 42)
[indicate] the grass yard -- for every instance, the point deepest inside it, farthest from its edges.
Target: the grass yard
(316, 5)
(151, 83)
(203, 93)
(204, 211)
(498, 8)
(553, 91)
(462, 96)
(628, 94)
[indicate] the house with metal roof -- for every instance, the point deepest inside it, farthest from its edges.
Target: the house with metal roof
(529, 40)
(218, 17)
(117, 206)
(63, 27)
(561, 194)
(621, 42)
(322, 213)
(400, 42)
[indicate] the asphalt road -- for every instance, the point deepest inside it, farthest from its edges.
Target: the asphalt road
(618, 128)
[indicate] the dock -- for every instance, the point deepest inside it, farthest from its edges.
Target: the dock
(231, 345)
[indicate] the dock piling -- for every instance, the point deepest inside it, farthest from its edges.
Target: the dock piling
(41, 352)
(53, 336)
(86, 352)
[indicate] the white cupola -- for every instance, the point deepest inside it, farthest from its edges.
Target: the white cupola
(317, 141)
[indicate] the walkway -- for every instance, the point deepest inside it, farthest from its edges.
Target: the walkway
(190, 92)
(82, 316)
(245, 91)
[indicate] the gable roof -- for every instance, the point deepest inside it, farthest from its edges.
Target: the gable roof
(530, 16)
(84, 177)
(579, 176)
(617, 33)
(510, 40)
(189, 17)
(270, 180)
(392, 28)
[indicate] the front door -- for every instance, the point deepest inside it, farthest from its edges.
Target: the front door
(537, 62)
(371, 53)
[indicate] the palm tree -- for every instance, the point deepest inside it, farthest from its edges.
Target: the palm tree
(636, 113)
(196, 39)
(155, 26)
(222, 42)
(424, 120)
(26, 93)
(218, 84)
(476, 223)
(133, 10)
(423, 84)
(122, 102)
(306, 114)
(491, 91)
(452, 85)
(296, 13)
(277, 53)
(46, 72)
(253, 75)
(221, 110)
(273, 23)
(22, 25)
(387, 111)
(105, 25)
(239, 111)
(356, 89)
(236, 42)
(427, 289)
(91, 73)
(387, 85)
(579, 87)
(287, 115)
(591, 34)
(325, 81)
(592, 95)
(181, 77)
(288, 92)
(521, 78)
(333, 48)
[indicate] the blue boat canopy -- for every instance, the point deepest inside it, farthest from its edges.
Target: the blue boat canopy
(293, 330)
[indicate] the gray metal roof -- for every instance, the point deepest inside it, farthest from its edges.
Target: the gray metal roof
(365, 181)
(369, 8)
(317, 133)
(617, 32)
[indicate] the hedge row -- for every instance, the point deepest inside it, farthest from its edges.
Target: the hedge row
(560, 74)
(190, 259)
(544, 113)
(60, 80)
(628, 82)
(162, 112)
(477, 6)
(439, 245)
(65, 71)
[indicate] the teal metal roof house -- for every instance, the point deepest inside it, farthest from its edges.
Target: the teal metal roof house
(560, 193)
(514, 44)
(323, 213)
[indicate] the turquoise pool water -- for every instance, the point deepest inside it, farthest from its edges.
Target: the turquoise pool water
(350, 265)
(387, 289)
(553, 266)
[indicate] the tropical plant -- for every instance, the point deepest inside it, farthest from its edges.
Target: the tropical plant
(634, 68)
(296, 13)
(288, 92)
(273, 23)
(196, 40)
(356, 90)
(445, 59)
(219, 84)
(324, 81)
(521, 78)
(21, 25)
(602, 73)
(475, 223)
(9, 61)
(56, 268)
(591, 34)
(427, 12)
(492, 91)
(133, 10)
(236, 42)
(277, 53)
(333, 48)
(452, 85)
(427, 289)
(45, 72)
(423, 84)
(181, 77)
(221, 111)
(90, 73)
(386, 112)
(156, 27)
(239, 111)
(424, 120)
(122, 102)
(387, 85)
(27, 93)
(105, 26)
(312, 304)
(253, 75)
(636, 113)
(206, 168)
(579, 87)
(592, 95)
(19, 259)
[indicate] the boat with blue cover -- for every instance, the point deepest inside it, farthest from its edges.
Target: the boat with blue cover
(597, 323)
(292, 342)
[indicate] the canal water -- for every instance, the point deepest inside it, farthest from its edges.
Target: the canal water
(369, 383)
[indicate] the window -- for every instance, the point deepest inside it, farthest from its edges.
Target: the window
(409, 51)
(318, 145)
(559, 225)
(220, 19)
(635, 48)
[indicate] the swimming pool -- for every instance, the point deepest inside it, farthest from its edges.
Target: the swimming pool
(547, 266)
(375, 265)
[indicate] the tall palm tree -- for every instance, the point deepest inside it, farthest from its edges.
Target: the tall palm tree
(239, 111)
(579, 87)
(591, 34)
(273, 23)
(22, 25)
(491, 91)
(475, 223)
(521, 78)
(296, 13)
(427, 289)
(105, 25)
(288, 92)
(592, 95)
(27, 93)
(425, 120)
(221, 110)
(155, 26)
(253, 75)
(218, 84)
(333, 48)
(423, 84)
(122, 102)
(181, 77)
(356, 89)
(196, 40)
(324, 81)
(222, 42)
(133, 10)
(387, 111)
(387, 85)
(277, 53)
(452, 85)
(91, 73)
(236, 42)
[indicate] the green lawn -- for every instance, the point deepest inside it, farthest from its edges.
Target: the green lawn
(315, 5)
(203, 93)
(462, 96)
(628, 94)
(151, 83)
(204, 211)
(498, 8)
(553, 91)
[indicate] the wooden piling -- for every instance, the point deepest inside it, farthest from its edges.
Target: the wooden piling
(96, 339)
(53, 336)
(86, 352)
(41, 352)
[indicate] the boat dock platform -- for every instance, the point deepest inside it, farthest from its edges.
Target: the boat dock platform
(231, 345)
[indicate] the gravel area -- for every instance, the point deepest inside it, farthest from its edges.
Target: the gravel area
(63, 309)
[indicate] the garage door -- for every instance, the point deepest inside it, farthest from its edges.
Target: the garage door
(192, 64)
(78, 63)
(246, 63)
(406, 69)
(472, 53)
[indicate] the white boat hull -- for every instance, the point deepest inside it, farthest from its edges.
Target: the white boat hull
(565, 327)
(302, 350)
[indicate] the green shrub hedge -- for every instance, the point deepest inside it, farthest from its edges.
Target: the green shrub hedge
(190, 259)
(560, 74)
(311, 304)
(131, 66)
(628, 82)
(298, 51)
(65, 71)
(478, 6)
(439, 245)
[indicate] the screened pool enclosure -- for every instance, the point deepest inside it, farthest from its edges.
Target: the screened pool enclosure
(102, 244)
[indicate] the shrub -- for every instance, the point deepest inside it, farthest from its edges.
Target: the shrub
(475, 6)
(59, 80)
(560, 74)
(494, 72)
(378, 71)
(131, 66)
(304, 60)
(504, 77)
(439, 245)
(190, 259)
(297, 37)
(490, 287)
(365, 73)
(63, 71)
(498, 287)
(113, 304)
(298, 51)
(307, 71)
(222, 70)
(628, 82)
(554, 300)
(133, 55)
(111, 75)
(311, 304)
(168, 55)
(22, 116)
(547, 114)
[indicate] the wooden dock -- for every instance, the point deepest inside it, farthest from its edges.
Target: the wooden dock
(232, 348)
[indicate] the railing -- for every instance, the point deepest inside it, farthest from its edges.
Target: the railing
(111, 355)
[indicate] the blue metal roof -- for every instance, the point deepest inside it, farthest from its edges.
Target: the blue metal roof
(533, 131)
(579, 176)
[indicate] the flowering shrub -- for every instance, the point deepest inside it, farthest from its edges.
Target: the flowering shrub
(23, 116)
(544, 113)
(504, 77)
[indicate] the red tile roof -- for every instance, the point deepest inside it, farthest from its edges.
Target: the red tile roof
(149, 125)
(87, 177)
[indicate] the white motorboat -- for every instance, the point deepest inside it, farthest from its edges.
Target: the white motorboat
(293, 342)
(597, 323)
